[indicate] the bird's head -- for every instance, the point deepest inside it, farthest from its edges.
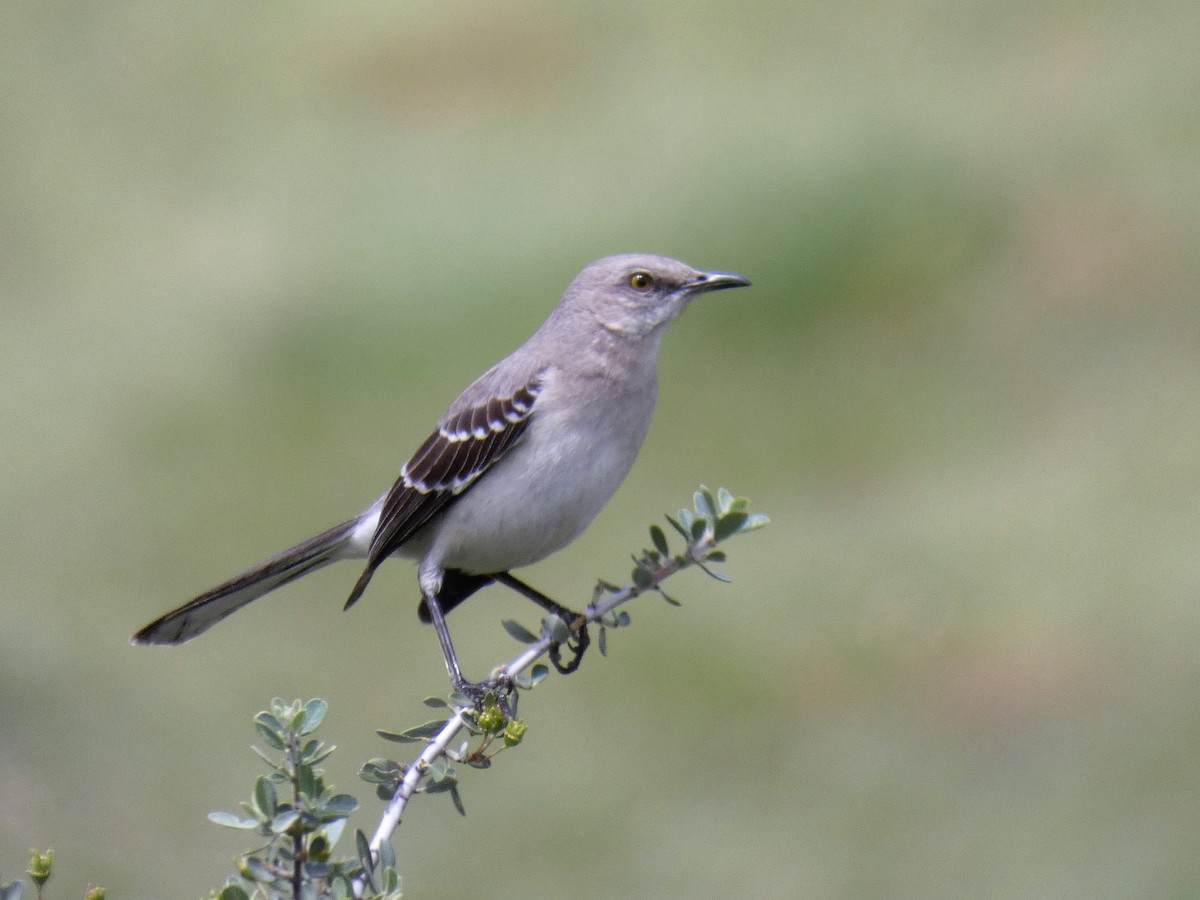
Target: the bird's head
(636, 294)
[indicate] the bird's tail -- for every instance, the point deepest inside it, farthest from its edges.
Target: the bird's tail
(197, 616)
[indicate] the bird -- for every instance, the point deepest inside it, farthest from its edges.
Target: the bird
(518, 466)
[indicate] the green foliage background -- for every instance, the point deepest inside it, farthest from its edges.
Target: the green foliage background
(248, 252)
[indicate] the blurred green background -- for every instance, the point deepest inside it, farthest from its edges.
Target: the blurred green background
(249, 252)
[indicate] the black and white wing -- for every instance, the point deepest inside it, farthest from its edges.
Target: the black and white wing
(464, 447)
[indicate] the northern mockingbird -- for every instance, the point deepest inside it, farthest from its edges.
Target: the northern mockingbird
(518, 466)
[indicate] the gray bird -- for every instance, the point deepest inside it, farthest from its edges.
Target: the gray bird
(519, 465)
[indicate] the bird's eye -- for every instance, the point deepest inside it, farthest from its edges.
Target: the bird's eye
(641, 281)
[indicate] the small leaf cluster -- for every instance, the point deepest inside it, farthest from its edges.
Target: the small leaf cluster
(297, 812)
(491, 731)
(712, 519)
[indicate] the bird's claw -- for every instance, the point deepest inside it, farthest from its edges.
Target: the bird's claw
(479, 695)
(576, 644)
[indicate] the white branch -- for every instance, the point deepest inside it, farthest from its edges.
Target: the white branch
(439, 744)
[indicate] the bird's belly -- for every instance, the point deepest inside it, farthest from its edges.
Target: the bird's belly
(524, 509)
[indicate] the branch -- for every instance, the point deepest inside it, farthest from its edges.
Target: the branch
(714, 520)
(441, 741)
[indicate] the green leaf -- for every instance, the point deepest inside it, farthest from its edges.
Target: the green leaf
(714, 556)
(446, 782)
(316, 869)
(314, 714)
(307, 783)
(229, 820)
(671, 600)
(267, 721)
(380, 771)
(254, 868)
(728, 524)
(438, 769)
(705, 505)
(612, 618)
(436, 703)
(519, 632)
(556, 629)
(659, 540)
(229, 892)
(678, 527)
(753, 521)
(602, 641)
(387, 855)
(714, 573)
(314, 752)
(699, 526)
(333, 831)
(363, 847)
(338, 807)
(285, 820)
(391, 881)
(270, 737)
(642, 579)
(265, 798)
(457, 799)
(649, 559)
(417, 733)
(724, 500)
(530, 680)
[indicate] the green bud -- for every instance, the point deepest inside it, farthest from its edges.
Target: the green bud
(39, 867)
(514, 731)
(95, 893)
(491, 719)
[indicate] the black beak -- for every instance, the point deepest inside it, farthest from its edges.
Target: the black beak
(718, 281)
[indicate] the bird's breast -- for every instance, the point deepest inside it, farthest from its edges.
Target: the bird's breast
(543, 494)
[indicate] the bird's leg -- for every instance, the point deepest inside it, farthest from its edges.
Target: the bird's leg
(475, 690)
(456, 587)
(576, 622)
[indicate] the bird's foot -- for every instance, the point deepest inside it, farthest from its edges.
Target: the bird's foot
(577, 641)
(498, 693)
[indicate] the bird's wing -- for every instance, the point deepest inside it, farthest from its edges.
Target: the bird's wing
(468, 442)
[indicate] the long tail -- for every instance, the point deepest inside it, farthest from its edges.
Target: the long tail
(197, 616)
